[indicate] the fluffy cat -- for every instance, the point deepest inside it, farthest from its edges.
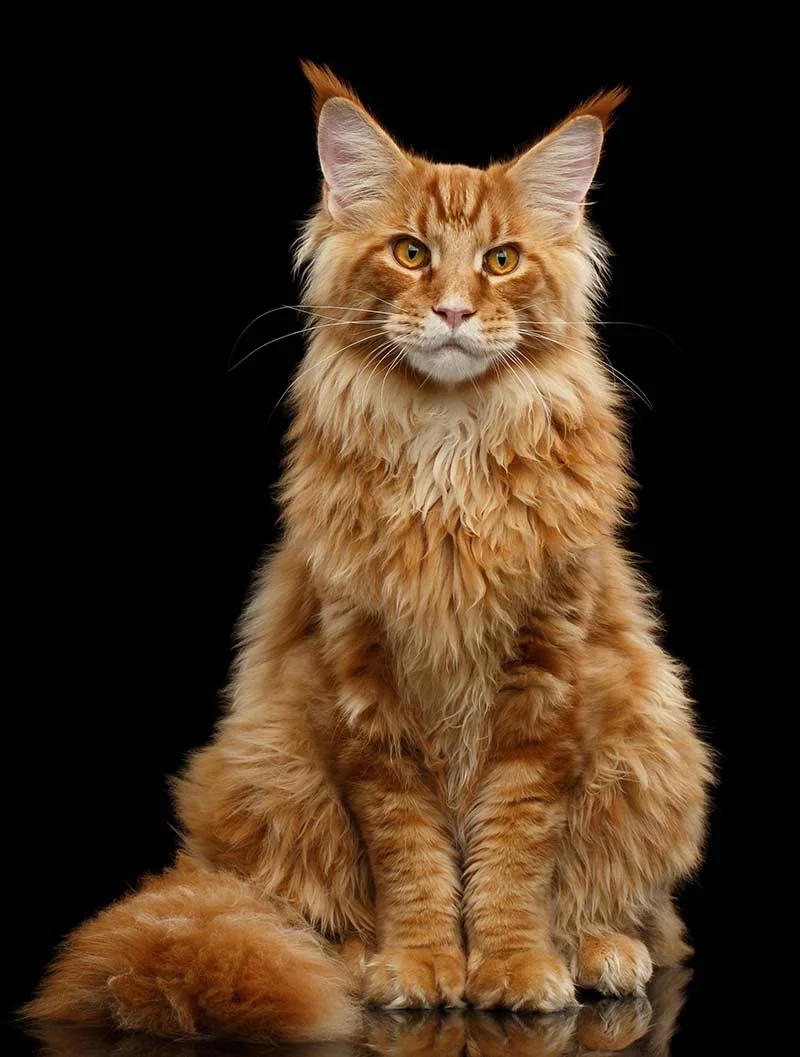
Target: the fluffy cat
(457, 765)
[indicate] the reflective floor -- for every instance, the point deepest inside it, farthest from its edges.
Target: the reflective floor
(634, 1027)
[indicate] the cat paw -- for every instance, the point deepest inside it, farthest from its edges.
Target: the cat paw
(613, 965)
(525, 981)
(415, 978)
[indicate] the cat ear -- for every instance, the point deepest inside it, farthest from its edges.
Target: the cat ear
(359, 160)
(556, 174)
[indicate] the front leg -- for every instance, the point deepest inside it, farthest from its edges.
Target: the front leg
(514, 830)
(420, 960)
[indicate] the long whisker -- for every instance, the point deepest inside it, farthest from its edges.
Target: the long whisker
(386, 374)
(609, 323)
(252, 323)
(313, 328)
(346, 322)
(309, 309)
(508, 359)
(524, 367)
(368, 293)
(297, 377)
(313, 310)
(386, 351)
(382, 354)
(358, 341)
(319, 363)
(620, 375)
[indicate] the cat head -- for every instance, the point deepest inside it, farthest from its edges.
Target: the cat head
(453, 273)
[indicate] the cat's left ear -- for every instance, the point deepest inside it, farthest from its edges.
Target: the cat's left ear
(360, 162)
(555, 175)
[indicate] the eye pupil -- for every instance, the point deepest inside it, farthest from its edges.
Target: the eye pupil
(411, 254)
(502, 260)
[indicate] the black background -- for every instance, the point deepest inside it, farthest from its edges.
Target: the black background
(179, 163)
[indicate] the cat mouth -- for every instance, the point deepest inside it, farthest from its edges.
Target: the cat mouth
(449, 362)
(456, 346)
(451, 346)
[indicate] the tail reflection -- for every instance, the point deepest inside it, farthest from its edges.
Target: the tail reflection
(631, 1027)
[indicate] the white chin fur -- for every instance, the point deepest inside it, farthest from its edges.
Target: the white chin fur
(447, 364)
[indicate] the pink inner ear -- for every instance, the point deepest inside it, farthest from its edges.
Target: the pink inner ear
(358, 159)
(561, 168)
(335, 150)
(580, 166)
(335, 157)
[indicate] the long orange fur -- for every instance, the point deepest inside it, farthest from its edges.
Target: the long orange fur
(457, 764)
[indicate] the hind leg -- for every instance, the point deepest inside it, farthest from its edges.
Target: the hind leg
(259, 800)
(635, 829)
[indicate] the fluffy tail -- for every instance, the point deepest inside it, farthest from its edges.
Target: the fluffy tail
(195, 952)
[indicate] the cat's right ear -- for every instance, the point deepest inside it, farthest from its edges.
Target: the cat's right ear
(359, 161)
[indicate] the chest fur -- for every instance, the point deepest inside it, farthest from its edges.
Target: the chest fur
(446, 543)
(447, 546)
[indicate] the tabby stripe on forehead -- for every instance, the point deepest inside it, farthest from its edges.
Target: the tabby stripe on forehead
(494, 227)
(460, 196)
(436, 200)
(452, 204)
(421, 219)
(458, 200)
(477, 207)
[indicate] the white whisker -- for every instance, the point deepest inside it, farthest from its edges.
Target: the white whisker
(388, 371)
(309, 309)
(313, 328)
(528, 372)
(620, 375)
(334, 355)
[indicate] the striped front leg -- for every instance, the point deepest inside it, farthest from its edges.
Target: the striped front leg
(420, 960)
(515, 826)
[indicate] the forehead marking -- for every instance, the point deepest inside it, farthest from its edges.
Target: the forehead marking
(455, 199)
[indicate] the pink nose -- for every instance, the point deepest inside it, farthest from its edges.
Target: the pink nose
(454, 316)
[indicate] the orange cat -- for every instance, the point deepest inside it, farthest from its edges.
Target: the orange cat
(457, 766)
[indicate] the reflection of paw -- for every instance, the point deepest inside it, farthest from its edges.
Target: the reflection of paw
(613, 1024)
(548, 1035)
(414, 978)
(413, 1033)
(614, 965)
(528, 981)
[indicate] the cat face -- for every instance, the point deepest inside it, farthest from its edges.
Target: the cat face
(453, 268)
(451, 257)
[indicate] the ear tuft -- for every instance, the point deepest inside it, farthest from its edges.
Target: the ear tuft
(359, 160)
(602, 106)
(326, 85)
(555, 175)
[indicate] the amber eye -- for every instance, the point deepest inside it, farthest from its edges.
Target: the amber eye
(501, 260)
(411, 253)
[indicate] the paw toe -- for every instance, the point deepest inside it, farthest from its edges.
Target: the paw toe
(524, 981)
